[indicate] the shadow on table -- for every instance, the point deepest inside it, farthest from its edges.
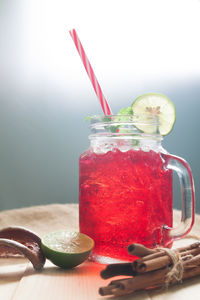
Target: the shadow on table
(12, 268)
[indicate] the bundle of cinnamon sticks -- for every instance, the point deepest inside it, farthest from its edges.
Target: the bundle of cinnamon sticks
(154, 268)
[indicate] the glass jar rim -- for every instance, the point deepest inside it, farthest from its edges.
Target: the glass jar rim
(130, 118)
(135, 119)
(119, 124)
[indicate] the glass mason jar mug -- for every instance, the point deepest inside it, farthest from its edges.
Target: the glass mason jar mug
(126, 188)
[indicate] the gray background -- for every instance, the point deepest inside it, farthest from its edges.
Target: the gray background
(45, 93)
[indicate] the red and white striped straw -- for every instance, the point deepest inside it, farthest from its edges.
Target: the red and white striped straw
(90, 72)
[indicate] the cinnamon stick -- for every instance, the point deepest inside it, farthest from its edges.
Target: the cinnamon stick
(118, 269)
(151, 265)
(128, 286)
(112, 287)
(139, 250)
(142, 251)
(148, 280)
(139, 264)
(192, 252)
(189, 247)
(153, 270)
(192, 262)
(161, 259)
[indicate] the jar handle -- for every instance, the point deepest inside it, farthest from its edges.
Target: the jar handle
(181, 167)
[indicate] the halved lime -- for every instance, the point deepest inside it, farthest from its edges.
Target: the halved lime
(66, 249)
(157, 107)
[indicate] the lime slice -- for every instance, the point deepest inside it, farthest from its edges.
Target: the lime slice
(155, 107)
(66, 249)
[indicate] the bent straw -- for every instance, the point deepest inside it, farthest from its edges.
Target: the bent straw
(90, 72)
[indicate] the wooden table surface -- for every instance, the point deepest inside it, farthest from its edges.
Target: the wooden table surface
(19, 281)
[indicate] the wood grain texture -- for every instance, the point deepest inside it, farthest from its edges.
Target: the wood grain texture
(11, 272)
(80, 283)
(19, 281)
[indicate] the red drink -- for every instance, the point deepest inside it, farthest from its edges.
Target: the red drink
(125, 197)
